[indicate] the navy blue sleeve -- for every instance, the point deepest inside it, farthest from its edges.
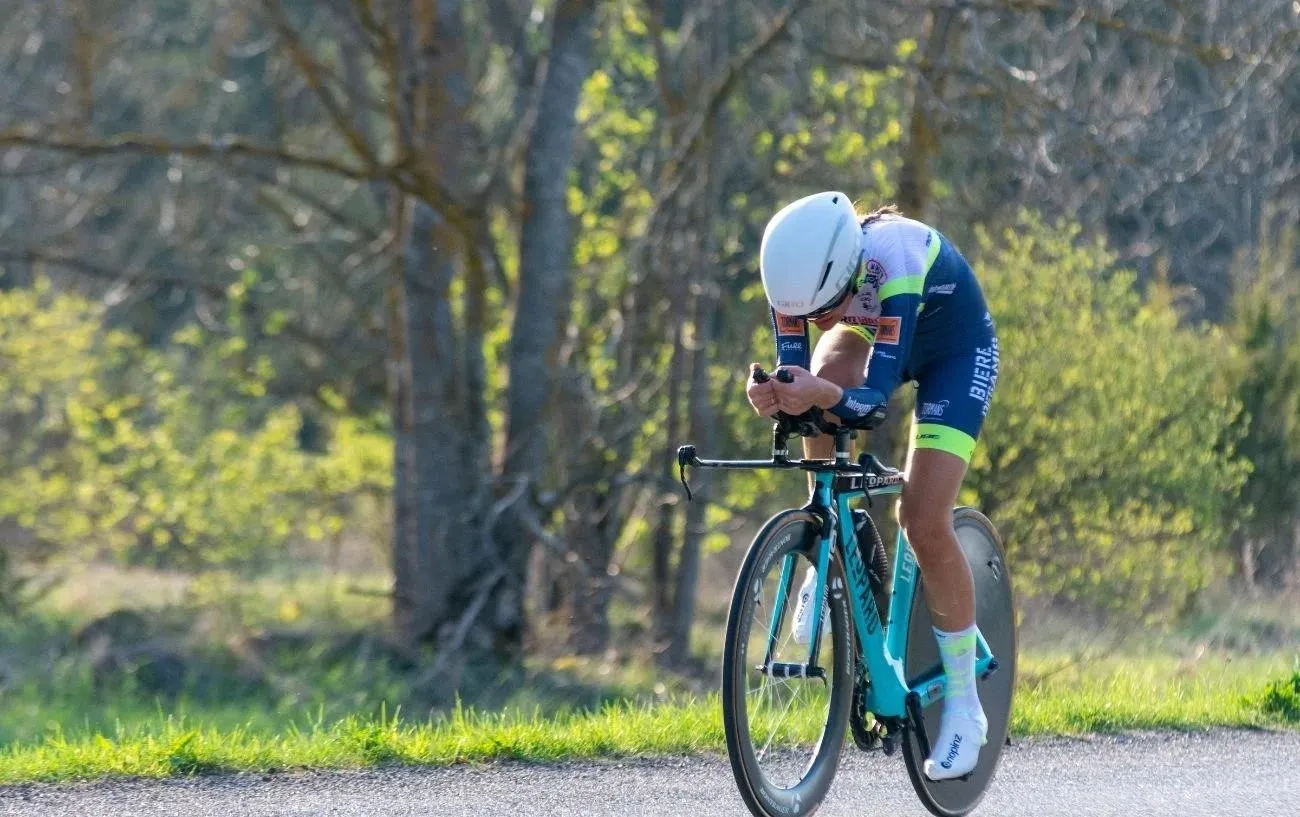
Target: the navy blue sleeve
(898, 315)
(857, 403)
(884, 369)
(792, 346)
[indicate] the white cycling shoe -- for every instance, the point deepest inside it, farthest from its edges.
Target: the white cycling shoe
(956, 749)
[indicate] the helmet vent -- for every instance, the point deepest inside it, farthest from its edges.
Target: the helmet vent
(826, 273)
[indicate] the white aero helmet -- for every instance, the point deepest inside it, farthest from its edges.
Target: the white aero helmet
(810, 253)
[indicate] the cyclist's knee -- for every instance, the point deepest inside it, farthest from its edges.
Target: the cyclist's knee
(923, 524)
(841, 357)
(842, 370)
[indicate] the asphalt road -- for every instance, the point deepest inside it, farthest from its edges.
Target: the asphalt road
(1221, 773)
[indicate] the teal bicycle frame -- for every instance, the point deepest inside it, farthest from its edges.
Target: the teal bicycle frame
(882, 648)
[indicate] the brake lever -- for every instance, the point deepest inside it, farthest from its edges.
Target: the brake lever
(685, 456)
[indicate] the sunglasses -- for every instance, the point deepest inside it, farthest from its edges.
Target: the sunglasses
(828, 309)
(849, 289)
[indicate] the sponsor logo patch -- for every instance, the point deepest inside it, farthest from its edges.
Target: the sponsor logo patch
(889, 330)
(789, 325)
(933, 409)
(942, 289)
(856, 405)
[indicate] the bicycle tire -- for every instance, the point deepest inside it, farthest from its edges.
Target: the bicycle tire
(791, 531)
(995, 613)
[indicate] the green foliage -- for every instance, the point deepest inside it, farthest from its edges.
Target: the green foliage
(1107, 456)
(1266, 328)
(17, 592)
(109, 446)
(1281, 699)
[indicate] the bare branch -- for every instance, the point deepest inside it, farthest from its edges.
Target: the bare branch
(92, 269)
(30, 136)
(1207, 53)
(312, 72)
(717, 91)
(711, 100)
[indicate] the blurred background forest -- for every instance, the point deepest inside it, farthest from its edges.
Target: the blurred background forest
(344, 344)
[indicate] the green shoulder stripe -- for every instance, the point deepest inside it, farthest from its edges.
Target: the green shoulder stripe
(911, 285)
(933, 251)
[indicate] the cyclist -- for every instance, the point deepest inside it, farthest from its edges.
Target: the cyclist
(895, 301)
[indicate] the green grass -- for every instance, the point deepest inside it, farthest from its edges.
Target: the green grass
(1162, 692)
(1113, 694)
(171, 747)
(314, 706)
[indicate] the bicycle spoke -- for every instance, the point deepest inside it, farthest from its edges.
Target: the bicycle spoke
(760, 754)
(772, 686)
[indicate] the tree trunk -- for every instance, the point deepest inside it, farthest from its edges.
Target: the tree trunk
(545, 262)
(442, 573)
(583, 569)
(435, 527)
(406, 597)
(588, 576)
(704, 323)
(662, 542)
(700, 412)
(1246, 564)
(916, 177)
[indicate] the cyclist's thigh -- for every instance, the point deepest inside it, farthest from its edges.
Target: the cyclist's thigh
(841, 357)
(952, 399)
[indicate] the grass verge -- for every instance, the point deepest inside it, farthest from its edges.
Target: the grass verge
(1054, 698)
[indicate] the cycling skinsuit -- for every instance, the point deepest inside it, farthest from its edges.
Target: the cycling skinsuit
(920, 307)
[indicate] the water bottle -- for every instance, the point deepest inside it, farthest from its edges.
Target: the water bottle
(803, 609)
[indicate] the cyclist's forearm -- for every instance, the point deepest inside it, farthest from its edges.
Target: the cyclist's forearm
(855, 404)
(792, 344)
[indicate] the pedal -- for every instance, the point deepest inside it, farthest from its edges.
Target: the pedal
(889, 744)
(865, 739)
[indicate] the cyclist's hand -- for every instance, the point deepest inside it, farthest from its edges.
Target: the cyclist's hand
(761, 395)
(804, 391)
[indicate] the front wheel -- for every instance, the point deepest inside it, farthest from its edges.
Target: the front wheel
(784, 718)
(995, 614)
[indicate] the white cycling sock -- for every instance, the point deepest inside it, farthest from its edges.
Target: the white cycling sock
(963, 729)
(958, 653)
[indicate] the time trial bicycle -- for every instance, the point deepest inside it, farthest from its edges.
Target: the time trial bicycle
(869, 663)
